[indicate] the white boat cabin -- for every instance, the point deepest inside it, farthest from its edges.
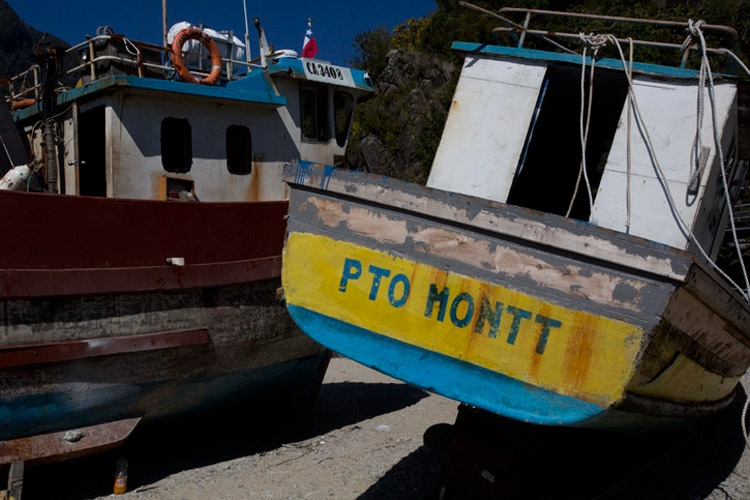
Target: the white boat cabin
(128, 128)
(514, 135)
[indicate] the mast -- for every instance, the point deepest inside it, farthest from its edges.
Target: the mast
(164, 20)
(247, 34)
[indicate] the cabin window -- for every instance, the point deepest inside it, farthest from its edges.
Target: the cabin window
(547, 172)
(176, 145)
(239, 150)
(315, 114)
(343, 110)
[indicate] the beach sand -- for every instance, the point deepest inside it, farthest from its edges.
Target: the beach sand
(363, 439)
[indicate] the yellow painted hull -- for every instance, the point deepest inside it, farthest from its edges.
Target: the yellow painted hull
(533, 332)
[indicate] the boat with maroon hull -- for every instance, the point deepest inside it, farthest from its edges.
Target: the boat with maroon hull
(144, 221)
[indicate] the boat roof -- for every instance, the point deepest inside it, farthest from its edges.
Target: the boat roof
(656, 70)
(255, 87)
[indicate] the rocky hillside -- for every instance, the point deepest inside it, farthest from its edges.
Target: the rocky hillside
(397, 132)
(17, 41)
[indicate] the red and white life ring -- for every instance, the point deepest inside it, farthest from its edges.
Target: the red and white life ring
(179, 64)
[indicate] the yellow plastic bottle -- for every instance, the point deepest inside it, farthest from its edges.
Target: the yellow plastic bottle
(121, 478)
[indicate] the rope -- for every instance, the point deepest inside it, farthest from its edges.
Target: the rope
(705, 72)
(696, 165)
(745, 293)
(695, 36)
(629, 156)
(595, 42)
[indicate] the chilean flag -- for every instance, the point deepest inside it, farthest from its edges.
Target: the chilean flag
(309, 46)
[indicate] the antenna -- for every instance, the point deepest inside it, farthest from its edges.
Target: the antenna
(247, 34)
(164, 20)
(264, 49)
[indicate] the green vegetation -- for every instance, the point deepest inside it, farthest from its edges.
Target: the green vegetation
(398, 131)
(406, 118)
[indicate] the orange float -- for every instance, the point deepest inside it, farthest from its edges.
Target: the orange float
(179, 64)
(23, 103)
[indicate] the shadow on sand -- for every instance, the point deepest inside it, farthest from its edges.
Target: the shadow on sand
(163, 448)
(567, 464)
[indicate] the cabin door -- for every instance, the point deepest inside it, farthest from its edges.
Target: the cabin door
(92, 165)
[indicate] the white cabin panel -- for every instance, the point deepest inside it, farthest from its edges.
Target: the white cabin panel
(70, 151)
(486, 128)
(136, 159)
(669, 114)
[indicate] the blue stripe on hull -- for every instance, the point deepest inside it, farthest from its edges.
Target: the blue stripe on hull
(290, 386)
(450, 377)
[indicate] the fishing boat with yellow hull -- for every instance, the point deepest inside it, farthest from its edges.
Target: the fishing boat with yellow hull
(506, 287)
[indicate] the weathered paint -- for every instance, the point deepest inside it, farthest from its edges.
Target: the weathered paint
(396, 275)
(558, 349)
(454, 377)
(53, 446)
(685, 380)
(114, 305)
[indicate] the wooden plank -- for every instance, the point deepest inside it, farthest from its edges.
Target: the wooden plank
(716, 295)
(53, 352)
(27, 283)
(554, 232)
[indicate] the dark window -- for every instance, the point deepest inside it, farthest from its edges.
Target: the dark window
(176, 145)
(315, 114)
(239, 150)
(343, 109)
(548, 170)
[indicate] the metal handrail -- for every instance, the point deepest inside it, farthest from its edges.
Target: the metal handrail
(89, 66)
(524, 28)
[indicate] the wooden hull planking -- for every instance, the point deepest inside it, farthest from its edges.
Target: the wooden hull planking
(524, 314)
(96, 327)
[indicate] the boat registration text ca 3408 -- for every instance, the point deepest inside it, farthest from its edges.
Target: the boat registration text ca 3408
(328, 73)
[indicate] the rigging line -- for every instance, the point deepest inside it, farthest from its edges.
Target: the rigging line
(143, 21)
(588, 127)
(662, 178)
(720, 152)
(628, 151)
(596, 42)
(580, 122)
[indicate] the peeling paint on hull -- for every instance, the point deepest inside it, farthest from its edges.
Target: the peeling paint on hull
(98, 328)
(572, 325)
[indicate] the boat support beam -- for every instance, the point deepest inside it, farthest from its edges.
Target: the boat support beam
(63, 445)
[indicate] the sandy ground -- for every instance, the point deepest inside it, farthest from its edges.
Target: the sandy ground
(363, 440)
